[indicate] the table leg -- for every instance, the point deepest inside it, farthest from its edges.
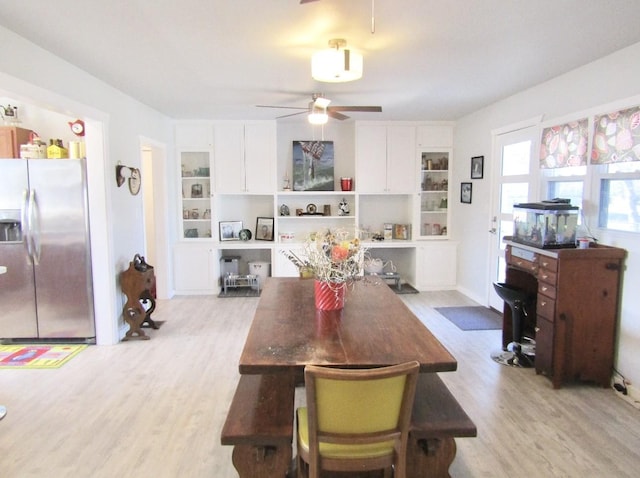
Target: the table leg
(251, 461)
(430, 457)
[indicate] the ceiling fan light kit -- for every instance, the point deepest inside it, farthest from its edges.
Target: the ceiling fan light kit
(336, 64)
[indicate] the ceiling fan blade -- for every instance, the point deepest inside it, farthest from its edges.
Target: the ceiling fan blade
(284, 107)
(336, 115)
(366, 109)
(292, 114)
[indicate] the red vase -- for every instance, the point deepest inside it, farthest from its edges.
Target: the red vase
(329, 295)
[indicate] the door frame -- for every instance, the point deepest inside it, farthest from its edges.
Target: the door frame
(495, 252)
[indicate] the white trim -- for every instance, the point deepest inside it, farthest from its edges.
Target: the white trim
(524, 124)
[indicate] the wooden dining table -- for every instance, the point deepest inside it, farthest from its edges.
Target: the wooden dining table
(374, 329)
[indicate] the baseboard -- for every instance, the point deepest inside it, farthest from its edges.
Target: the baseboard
(632, 397)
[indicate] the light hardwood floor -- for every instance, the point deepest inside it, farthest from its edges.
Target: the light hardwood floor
(155, 408)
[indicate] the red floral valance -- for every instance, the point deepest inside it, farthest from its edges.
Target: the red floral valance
(564, 145)
(616, 137)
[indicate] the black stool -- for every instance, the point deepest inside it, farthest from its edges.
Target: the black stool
(517, 353)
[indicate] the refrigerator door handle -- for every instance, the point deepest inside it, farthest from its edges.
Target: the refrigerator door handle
(26, 226)
(34, 227)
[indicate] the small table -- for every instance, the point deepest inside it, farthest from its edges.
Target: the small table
(231, 280)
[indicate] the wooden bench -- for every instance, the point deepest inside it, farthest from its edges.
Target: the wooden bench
(436, 420)
(259, 425)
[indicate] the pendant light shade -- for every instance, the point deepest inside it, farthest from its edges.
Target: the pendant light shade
(336, 64)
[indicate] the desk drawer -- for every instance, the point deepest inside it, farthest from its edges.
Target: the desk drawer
(524, 264)
(546, 307)
(547, 276)
(548, 263)
(546, 289)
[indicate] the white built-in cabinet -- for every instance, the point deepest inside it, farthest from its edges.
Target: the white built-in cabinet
(385, 158)
(195, 268)
(245, 157)
(228, 171)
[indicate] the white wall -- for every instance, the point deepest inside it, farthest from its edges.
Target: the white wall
(33, 76)
(610, 81)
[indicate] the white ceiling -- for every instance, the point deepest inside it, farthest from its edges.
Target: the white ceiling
(427, 60)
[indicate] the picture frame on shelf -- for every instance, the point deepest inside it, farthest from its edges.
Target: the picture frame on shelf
(477, 167)
(230, 230)
(465, 192)
(264, 229)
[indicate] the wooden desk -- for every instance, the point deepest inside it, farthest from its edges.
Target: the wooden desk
(375, 329)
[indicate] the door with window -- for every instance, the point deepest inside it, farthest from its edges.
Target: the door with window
(515, 177)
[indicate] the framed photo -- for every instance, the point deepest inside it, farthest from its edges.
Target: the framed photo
(230, 230)
(465, 192)
(313, 165)
(264, 229)
(477, 167)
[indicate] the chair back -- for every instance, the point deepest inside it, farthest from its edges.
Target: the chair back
(359, 415)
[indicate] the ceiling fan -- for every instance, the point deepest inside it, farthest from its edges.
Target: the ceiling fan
(320, 103)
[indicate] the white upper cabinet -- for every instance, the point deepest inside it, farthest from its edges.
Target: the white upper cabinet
(385, 158)
(245, 157)
(194, 136)
(437, 135)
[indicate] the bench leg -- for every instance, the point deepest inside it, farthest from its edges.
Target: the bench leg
(253, 461)
(430, 457)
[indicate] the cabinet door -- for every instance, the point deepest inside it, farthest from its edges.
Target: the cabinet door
(401, 157)
(371, 158)
(195, 271)
(435, 193)
(436, 265)
(229, 157)
(260, 157)
(544, 346)
(194, 136)
(435, 136)
(195, 184)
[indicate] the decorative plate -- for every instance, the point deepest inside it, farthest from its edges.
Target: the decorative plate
(284, 210)
(244, 234)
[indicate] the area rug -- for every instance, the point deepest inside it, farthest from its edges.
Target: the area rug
(37, 356)
(472, 318)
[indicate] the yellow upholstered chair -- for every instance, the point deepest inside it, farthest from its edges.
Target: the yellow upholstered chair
(355, 419)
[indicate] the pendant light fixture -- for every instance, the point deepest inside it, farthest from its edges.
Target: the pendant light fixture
(336, 64)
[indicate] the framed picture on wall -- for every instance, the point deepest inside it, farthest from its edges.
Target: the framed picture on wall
(313, 165)
(465, 192)
(477, 167)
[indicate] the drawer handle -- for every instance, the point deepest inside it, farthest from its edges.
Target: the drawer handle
(543, 303)
(544, 289)
(545, 276)
(537, 329)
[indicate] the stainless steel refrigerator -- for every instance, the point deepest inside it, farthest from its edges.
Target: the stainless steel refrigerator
(46, 293)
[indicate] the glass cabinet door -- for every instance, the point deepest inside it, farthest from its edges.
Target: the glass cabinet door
(434, 193)
(195, 178)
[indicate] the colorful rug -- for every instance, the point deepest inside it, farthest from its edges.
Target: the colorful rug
(37, 356)
(472, 318)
